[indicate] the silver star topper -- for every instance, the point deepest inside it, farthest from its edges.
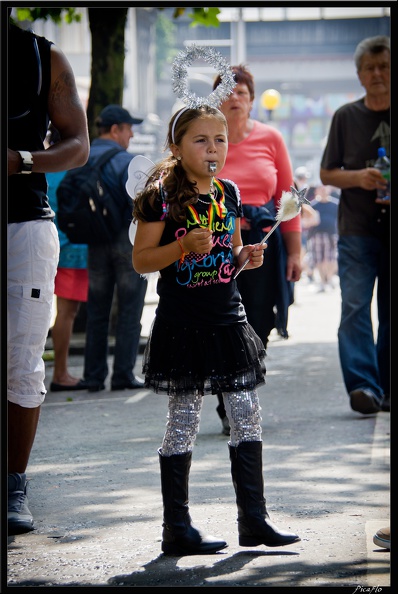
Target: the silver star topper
(300, 195)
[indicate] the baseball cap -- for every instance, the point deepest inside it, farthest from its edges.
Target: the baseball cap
(115, 114)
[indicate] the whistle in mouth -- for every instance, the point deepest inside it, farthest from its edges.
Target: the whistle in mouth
(212, 167)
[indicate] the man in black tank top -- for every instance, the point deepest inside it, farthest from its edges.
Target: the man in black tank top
(40, 87)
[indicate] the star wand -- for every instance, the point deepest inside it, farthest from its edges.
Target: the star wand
(290, 206)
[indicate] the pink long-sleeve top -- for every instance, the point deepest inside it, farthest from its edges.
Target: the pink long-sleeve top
(260, 166)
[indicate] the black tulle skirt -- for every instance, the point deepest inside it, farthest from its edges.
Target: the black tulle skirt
(182, 360)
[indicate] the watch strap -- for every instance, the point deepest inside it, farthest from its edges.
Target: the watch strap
(27, 161)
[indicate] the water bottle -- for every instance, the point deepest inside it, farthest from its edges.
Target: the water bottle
(383, 164)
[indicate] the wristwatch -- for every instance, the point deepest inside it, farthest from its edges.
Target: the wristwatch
(27, 161)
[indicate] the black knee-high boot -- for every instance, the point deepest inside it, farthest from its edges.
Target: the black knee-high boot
(180, 536)
(254, 525)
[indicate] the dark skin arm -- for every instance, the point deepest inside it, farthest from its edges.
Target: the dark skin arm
(67, 114)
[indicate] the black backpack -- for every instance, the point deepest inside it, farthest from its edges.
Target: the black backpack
(87, 212)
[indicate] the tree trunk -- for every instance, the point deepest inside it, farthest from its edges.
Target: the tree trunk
(107, 26)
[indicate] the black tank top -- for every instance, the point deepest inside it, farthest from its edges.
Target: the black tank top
(29, 78)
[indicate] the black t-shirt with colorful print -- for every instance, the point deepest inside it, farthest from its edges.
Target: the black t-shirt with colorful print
(200, 289)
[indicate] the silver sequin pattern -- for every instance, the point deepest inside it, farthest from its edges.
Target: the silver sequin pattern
(242, 408)
(182, 424)
(244, 413)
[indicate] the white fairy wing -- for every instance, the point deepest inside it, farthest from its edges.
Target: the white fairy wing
(138, 173)
(132, 231)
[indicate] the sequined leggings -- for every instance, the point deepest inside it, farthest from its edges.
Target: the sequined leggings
(243, 411)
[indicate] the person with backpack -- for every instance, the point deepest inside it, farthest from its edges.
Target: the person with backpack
(110, 267)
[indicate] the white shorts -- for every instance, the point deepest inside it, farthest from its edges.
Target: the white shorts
(32, 259)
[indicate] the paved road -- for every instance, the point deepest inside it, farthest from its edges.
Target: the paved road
(95, 487)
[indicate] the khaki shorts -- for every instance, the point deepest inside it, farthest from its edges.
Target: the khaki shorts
(32, 258)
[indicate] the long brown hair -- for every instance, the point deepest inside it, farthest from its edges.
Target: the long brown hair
(178, 191)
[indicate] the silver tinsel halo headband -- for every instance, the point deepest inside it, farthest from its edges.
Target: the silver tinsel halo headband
(179, 76)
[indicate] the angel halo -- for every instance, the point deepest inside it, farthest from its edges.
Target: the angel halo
(179, 76)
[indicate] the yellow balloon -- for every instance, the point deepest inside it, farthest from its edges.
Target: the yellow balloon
(270, 99)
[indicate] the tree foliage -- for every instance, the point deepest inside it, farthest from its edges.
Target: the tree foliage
(199, 16)
(207, 17)
(107, 26)
(55, 14)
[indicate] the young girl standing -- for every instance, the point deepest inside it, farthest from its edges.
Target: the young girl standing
(188, 228)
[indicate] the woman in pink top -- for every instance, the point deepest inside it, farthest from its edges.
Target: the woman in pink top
(258, 162)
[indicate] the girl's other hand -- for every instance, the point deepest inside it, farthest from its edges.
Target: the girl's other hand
(199, 240)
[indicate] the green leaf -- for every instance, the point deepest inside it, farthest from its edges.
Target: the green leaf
(208, 17)
(24, 14)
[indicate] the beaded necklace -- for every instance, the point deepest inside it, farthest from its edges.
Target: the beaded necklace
(215, 208)
(204, 201)
(212, 193)
(215, 188)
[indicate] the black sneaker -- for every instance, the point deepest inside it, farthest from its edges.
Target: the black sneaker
(134, 384)
(90, 386)
(95, 387)
(20, 520)
(364, 401)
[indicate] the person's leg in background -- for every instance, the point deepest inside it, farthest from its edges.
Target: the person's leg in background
(259, 297)
(71, 289)
(331, 259)
(131, 291)
(102, 280)
(33, 251)
(61, 333)
(223, 415)
(358, 267)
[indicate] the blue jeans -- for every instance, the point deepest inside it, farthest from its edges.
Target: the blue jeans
(362, 261)
(109, 266)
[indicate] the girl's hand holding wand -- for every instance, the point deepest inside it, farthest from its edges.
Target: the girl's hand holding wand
(251, 256)
(290, 206)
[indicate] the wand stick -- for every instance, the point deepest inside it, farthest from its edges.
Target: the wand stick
(290, 206)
